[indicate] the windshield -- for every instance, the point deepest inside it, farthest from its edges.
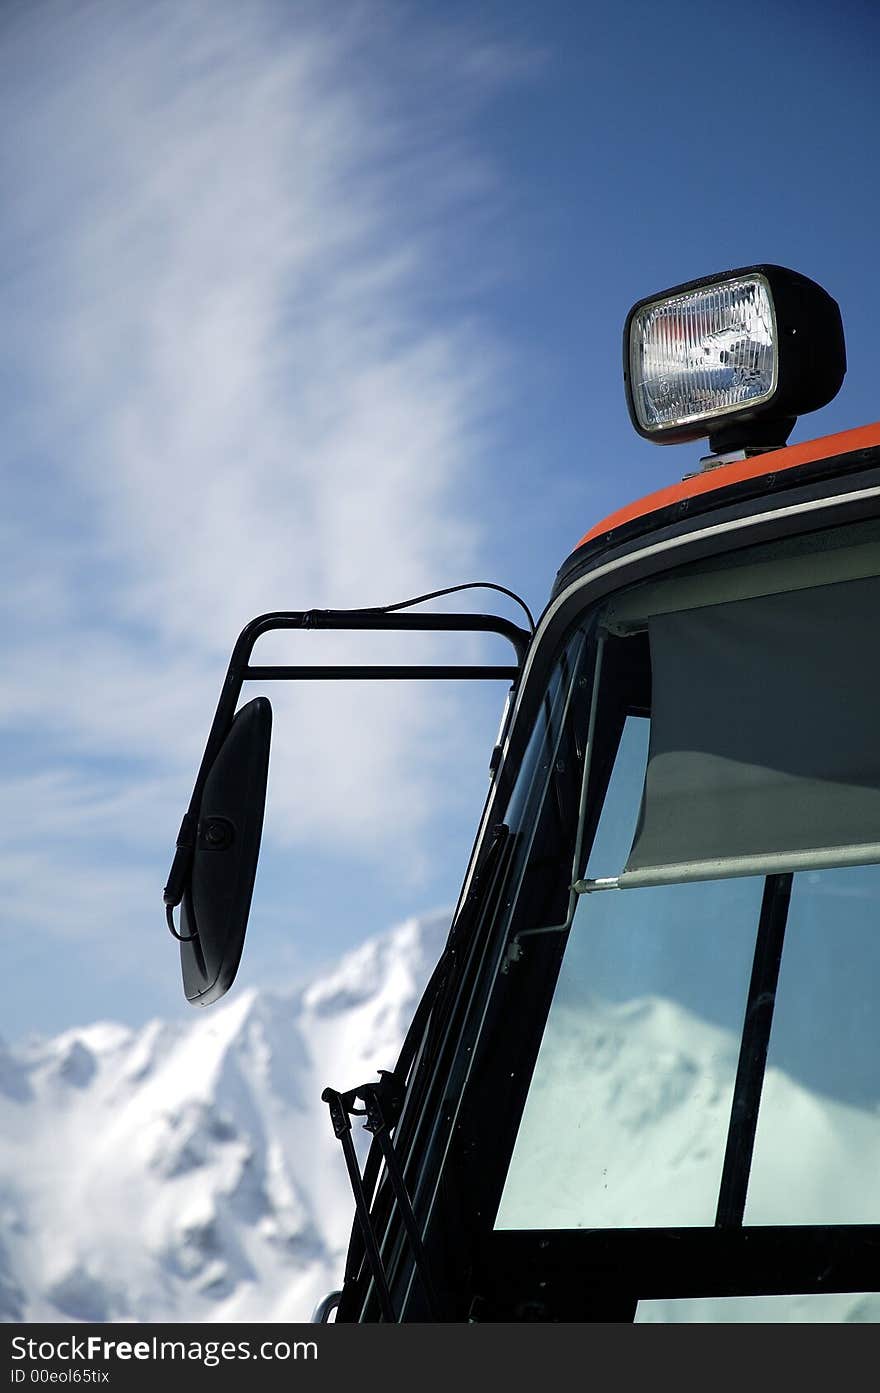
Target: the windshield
(700, 840)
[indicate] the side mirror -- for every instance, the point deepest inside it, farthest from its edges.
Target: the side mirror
(215, 859)
(217, 899)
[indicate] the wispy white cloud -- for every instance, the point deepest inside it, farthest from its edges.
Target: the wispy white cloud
(236, 386)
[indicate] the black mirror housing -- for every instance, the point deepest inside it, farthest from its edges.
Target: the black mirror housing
(217, 899)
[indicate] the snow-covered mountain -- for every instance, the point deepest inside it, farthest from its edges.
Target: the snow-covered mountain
(189, 1172)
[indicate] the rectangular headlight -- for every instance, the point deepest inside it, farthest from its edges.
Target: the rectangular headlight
(703, 354)
(736, 357)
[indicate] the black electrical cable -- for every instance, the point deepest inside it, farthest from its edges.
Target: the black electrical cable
(181, 938)
(452, 590)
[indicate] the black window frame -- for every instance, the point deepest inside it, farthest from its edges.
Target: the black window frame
(576, 1275)
(602, 1274)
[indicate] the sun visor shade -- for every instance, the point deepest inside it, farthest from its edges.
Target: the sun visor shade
(765, 744)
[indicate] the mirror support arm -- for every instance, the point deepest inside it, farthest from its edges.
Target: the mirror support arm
(239, 671)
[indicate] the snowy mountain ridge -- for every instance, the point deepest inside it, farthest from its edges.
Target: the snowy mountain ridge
(190, 1171)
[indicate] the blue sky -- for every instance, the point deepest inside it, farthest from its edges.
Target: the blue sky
(312, 305)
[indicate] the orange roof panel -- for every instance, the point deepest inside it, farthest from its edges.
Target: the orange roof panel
(844, 443)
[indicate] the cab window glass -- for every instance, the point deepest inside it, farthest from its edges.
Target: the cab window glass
(626, 1118)
(817, 1145)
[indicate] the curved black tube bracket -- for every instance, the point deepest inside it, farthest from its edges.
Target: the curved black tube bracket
(241, 670)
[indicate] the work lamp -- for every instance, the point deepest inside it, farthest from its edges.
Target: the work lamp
(736, 357)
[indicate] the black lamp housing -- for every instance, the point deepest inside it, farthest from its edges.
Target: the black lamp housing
(811, 364)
